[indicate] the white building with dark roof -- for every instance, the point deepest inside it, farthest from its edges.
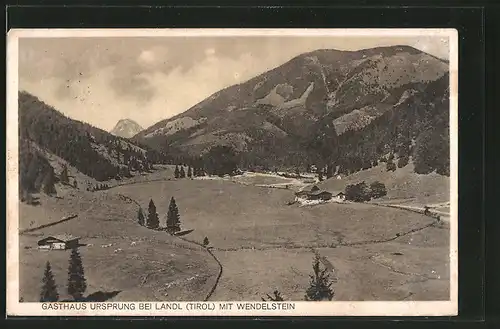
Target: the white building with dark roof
(59, 242)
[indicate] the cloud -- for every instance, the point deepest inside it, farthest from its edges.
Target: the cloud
(103, 80)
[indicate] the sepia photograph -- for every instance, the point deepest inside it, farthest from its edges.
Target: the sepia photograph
(232, 171)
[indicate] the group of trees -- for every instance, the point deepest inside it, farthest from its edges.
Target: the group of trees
(192, 171)
(77, 284)
(320, 286)
(361, 192)
(152, 220)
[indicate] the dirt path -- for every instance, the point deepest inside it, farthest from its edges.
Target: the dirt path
(33, 229)
(65, 219)
(332, 245)
(420, 210)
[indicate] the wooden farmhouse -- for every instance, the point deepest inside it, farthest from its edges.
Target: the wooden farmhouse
(59, 242)
(313, 193)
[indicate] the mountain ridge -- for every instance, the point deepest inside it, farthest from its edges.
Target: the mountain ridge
(277, 113)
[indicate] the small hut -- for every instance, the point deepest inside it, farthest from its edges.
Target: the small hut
(59, 242)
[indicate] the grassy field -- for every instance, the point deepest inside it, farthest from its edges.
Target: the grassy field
(121, 259)
(264, 244)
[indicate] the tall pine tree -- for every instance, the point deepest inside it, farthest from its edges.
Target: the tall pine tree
(190, 172)
(153, 221)
(77, 284)
(49, 289)
(320, 284)
(173, 217)
(140, 217)
(182, 173)
(176, 172)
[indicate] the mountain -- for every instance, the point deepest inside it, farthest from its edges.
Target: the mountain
(50, 142)
(316, 108)
(126, 128)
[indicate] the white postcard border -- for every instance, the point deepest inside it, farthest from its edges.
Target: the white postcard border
(334, 308)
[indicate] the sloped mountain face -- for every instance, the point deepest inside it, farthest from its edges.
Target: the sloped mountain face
(284, 116)
(92, 151)
(126, 128)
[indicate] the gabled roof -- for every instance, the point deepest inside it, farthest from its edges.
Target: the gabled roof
(309, 189)
(62, 237)
(319, 192)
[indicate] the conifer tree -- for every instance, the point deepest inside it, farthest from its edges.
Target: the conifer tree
(206, 242)
(182, 173)
(140, 217)
(153, 220)
(64, 175)
(77, 284)
(48, 182)
(49, 289)
(190, 173)
(176, 173)
(320, 284)
(173, 217)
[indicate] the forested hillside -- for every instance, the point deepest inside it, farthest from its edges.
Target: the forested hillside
(92, 151)
(416, 128)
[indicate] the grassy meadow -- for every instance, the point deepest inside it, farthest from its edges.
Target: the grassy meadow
(262, 243)
(118, 256)
(265, 244)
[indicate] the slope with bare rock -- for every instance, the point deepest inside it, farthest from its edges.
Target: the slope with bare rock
(277, 118)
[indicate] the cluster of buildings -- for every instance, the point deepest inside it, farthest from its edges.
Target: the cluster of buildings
(315, 193)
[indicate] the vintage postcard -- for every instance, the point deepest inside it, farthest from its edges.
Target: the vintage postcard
(256, 172)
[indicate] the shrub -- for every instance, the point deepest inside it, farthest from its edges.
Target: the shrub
(358, 192)
(390, 166)
(378, 190)
(403, 161)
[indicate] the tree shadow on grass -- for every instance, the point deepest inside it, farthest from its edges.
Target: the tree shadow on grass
(101, 296)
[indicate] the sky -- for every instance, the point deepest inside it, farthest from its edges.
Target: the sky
(101, 80)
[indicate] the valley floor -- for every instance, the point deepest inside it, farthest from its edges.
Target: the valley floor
(373, 252)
